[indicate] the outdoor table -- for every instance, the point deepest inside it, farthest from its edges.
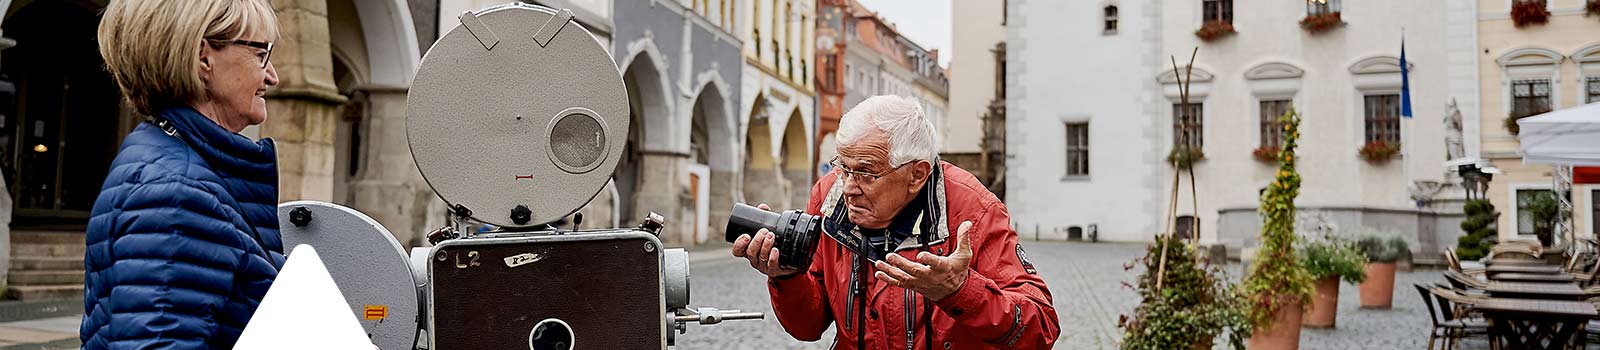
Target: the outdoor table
(1530, 277)
(1544, 291)
(1535, 324)
(1544, 269)
(1517, 262)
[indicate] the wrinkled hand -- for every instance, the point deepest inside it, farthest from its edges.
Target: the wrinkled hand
(931, 275)
(759, 251)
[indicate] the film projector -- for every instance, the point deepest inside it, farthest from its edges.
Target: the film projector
(516, 119)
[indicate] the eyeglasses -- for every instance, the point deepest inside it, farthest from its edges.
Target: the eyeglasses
(859, 175)
(265, 56)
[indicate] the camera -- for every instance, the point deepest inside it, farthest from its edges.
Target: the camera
(495, 157)
(796, 232)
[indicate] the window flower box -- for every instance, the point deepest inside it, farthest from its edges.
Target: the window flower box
(1183, 158)
(1266, 154)
(1214, 30)
(1322, 22)
(1529, 12)
(1377, 152)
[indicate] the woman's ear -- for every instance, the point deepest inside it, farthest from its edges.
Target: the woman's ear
(206, 55)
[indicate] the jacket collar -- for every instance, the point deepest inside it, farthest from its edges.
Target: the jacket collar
(230, 153)
(924, 216)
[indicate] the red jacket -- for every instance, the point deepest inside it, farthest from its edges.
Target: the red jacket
(1002, 305)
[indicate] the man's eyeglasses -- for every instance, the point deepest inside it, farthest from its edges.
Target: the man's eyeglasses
(860, 175)
(265, 56)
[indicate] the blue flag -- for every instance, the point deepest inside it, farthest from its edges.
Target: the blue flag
(1405, 81)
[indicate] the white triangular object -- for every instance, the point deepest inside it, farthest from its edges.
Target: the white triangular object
(303, 310)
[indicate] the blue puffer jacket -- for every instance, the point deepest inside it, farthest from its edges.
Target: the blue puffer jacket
(183, 240)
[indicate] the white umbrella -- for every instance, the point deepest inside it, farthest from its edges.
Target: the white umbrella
(1565, 137)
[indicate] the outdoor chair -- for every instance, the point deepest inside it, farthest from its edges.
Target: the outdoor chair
(1445, 325)
(1463, 281)
(1467, 267)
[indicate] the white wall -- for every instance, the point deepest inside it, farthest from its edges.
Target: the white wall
(1053, 77)
(1062, 68)
(972, 72)
(1329, 96)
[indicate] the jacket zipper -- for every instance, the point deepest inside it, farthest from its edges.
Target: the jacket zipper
(911, 335)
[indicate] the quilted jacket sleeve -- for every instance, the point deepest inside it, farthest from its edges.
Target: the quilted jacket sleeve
(168, 266)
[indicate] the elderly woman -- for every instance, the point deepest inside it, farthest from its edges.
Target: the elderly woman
(183, 240)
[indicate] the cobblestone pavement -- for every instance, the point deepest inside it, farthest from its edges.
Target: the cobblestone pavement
(1086, 281)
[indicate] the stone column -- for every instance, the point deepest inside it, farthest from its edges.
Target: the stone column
(661, 190)
(389, 188)
(301, 111)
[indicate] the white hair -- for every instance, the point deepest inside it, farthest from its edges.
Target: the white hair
(911, 135)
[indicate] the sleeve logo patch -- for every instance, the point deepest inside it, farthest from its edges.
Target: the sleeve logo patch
(1023, 257)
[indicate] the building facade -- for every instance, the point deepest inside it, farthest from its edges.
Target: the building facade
(878, 60)
(680, 61)
(977, 91)
(1524, 71)
(1091, 133)
(778, 94)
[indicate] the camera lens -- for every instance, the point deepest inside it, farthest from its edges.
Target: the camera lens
(796, 232)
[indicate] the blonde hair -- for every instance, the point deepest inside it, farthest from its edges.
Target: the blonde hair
(152, 47)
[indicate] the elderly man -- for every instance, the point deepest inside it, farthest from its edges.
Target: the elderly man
(893, 275)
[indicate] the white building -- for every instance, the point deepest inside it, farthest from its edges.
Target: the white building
(1094, 114)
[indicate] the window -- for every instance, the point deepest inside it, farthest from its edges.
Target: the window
(1217, 10)
(1187, 123)
(1529, 97)
(1322, 7)
(1077, 149)
(1383, 118)
(1527, 204)
(1111, 20)
(1594, 90)
(1271, 130)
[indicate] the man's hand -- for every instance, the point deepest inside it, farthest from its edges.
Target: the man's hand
(759, 251)
(931, 275)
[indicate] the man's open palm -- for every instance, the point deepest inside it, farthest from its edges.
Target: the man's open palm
(931, 275)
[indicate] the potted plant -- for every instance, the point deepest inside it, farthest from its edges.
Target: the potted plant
(1379, 151)
(1213, 30)
(1266, 154)
(1544, 212)
(1183, 157)
(1377, 292)
(1329, 261)
(1192, 306)
(1529, 12)
(1479, 230)
(1277, 286)
(1321, 22)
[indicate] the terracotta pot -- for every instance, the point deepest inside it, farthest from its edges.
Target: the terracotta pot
(1282, 334)
(1204, 344)
(1377, 292)
(1325, 305)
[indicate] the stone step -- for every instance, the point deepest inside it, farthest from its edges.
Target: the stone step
(57, 291)
(47, 237)
(44, 277)
(47, 263)
(66, 250)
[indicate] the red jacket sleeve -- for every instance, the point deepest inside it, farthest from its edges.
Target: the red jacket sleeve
(1003, 301)
(799, 300)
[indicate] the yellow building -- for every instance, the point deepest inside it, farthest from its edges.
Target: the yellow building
(777, 96)
(1525, 70)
